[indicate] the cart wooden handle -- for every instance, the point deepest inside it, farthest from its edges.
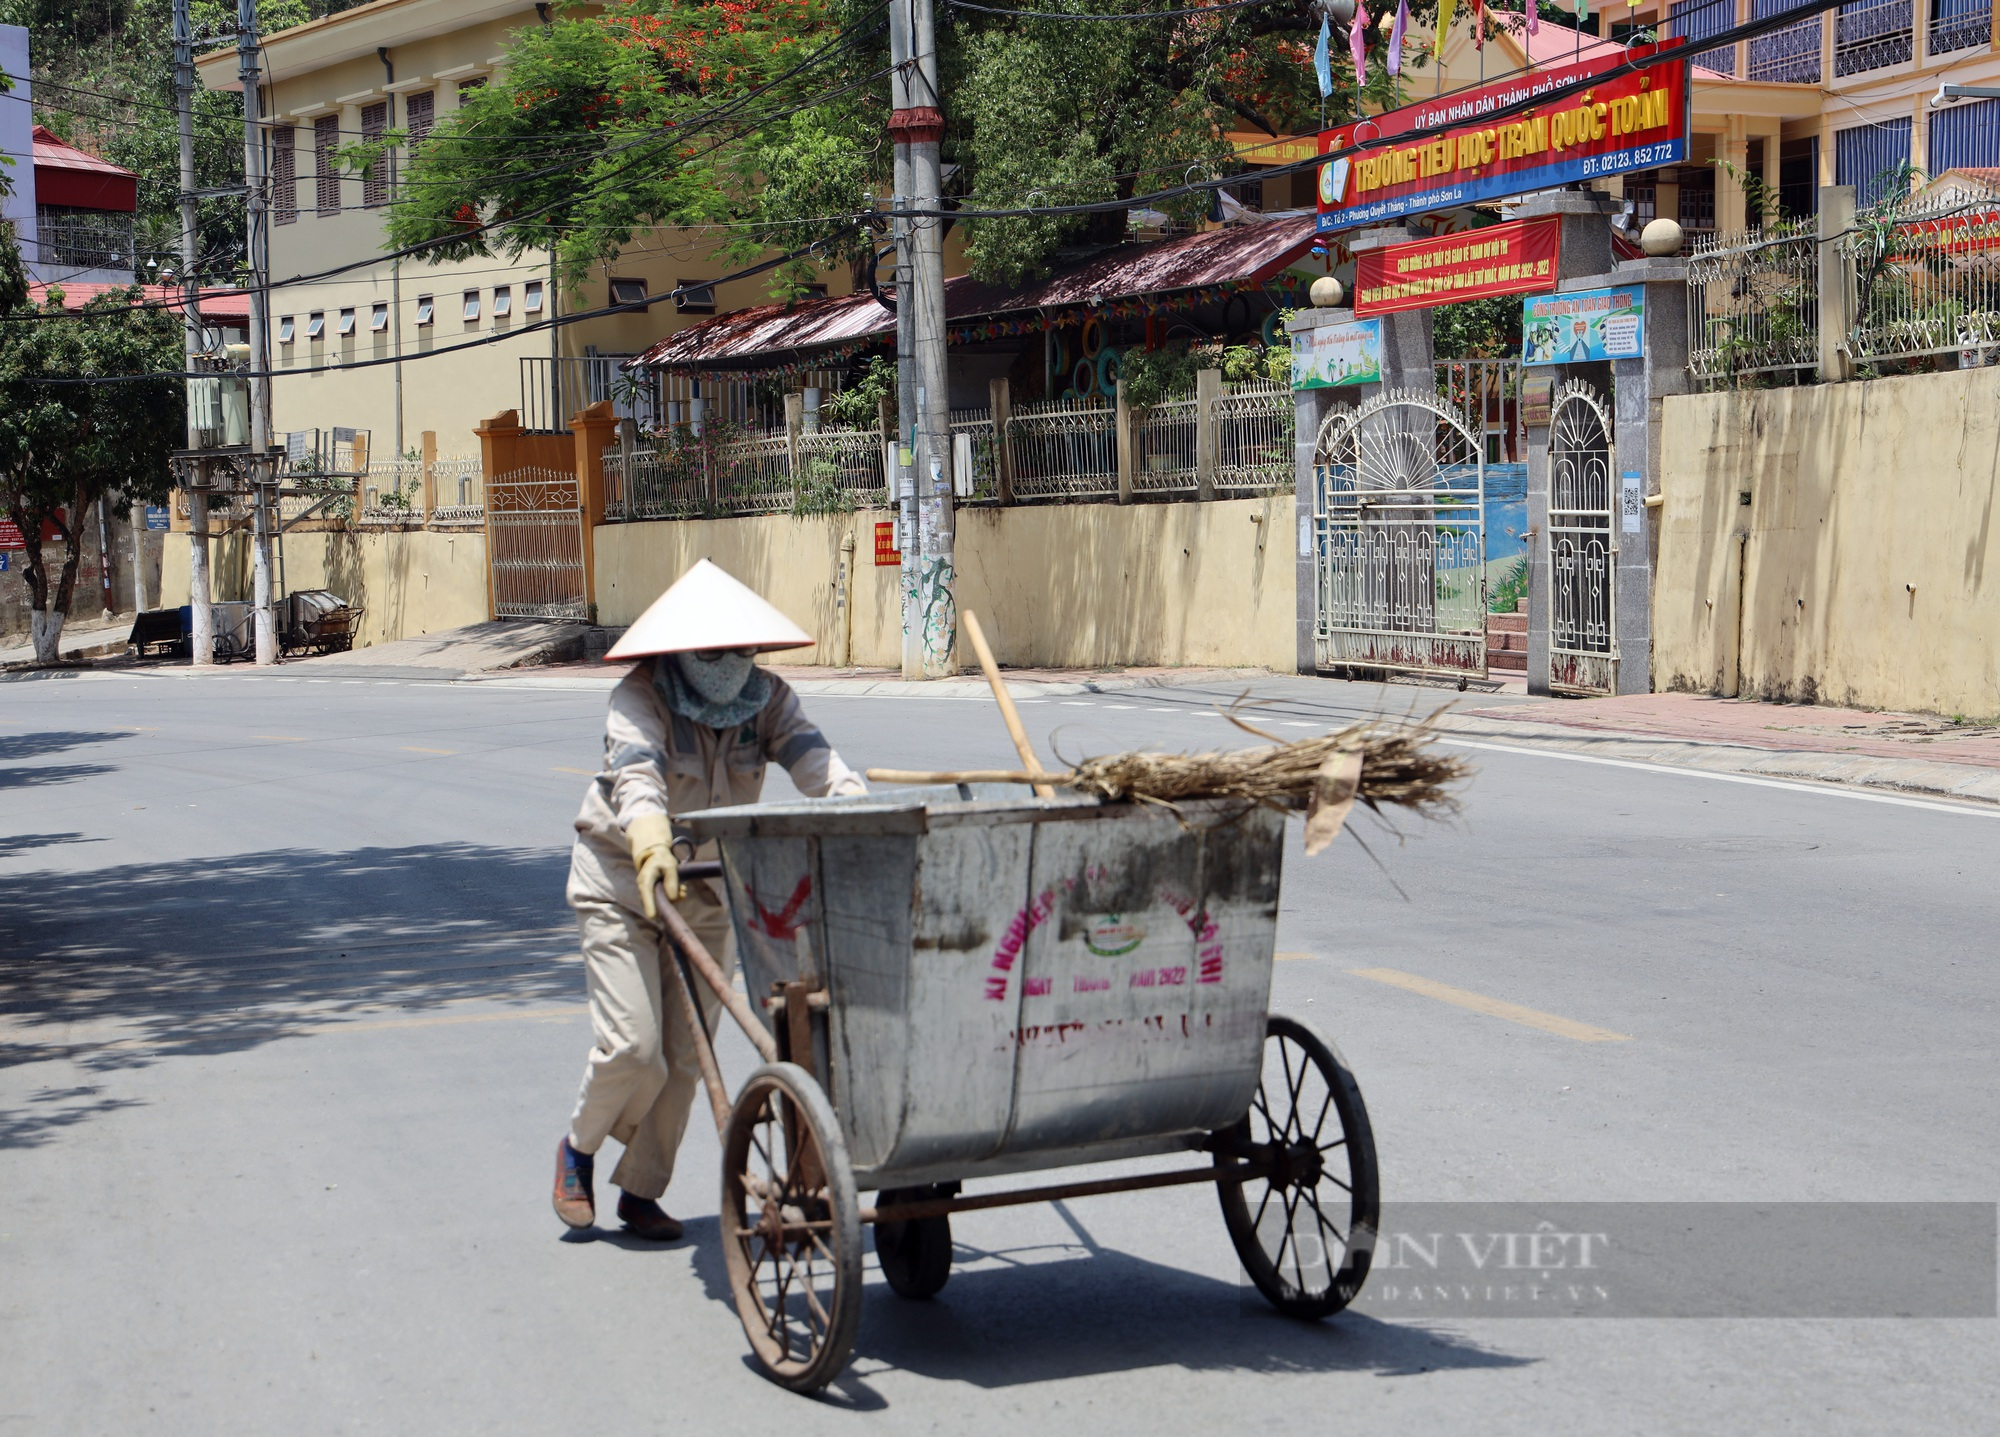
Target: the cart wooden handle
(691, 954)
(1008, 712)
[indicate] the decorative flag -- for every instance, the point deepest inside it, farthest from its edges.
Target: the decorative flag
(1582, 10)
(1479, 25)
(1322, 63)
(1534, 20)
(1357, 41)
(1445, 7)
(1396, 36)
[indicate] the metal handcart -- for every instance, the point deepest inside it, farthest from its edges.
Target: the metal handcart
(957, 983)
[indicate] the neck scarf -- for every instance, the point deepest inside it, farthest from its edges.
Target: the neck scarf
(687, 685)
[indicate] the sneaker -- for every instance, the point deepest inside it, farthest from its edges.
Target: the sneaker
(576, 1203)
(645, 1218)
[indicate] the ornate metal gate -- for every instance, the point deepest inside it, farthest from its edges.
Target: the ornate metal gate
(1401, 538)
(1583, 551)
(534, 545)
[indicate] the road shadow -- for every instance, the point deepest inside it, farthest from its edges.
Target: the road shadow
(118, 967)
(1019, 1318)
(19, 751)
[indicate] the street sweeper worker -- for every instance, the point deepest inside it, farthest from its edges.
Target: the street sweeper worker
(691, 727)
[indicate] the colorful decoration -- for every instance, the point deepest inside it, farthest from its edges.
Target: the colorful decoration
(1396, 36)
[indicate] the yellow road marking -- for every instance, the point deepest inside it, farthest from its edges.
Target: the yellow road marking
(1289, 957)
(586, 772)
(445, 752)
(1493, 1007)
(282, 737)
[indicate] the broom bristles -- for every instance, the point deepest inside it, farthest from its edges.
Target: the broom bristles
(1399, 766)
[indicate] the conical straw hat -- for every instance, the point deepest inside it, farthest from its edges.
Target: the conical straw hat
(706, 609)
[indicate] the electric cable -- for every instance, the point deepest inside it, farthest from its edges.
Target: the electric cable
(496, 337)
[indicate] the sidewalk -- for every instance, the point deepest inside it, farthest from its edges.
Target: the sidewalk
(81, 638)
(1903, 753)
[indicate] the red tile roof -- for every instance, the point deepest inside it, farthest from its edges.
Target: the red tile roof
(231, 307)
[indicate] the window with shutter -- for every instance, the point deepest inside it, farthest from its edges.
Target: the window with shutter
(326, 177)
(419, 114)
(284, 175)
(375, 179)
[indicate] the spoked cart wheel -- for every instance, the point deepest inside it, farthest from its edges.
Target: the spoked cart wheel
(1305, 1230)
(791, 1227)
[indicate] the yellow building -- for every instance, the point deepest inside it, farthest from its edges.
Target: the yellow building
(360, 337)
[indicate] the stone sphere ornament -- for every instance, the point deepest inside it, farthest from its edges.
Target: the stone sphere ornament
(1661, 238)
(1326, 292)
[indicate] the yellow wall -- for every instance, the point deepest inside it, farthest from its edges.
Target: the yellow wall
(1870, 570)
(1078, 585)
(410, 582)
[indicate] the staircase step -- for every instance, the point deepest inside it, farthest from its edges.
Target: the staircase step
(1507, 661)
(1507, 623)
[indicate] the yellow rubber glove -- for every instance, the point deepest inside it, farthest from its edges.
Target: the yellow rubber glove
(652, 838)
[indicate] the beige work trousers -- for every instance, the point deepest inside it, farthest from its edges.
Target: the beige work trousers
(642, 1072)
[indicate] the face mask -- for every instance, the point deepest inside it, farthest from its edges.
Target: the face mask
(718, 679)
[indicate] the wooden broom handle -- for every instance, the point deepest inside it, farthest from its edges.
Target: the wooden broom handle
(1006, 701)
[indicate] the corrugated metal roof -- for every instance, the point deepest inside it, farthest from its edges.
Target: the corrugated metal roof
(1242, 252)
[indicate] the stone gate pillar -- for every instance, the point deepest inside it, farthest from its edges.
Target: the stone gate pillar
(1643, 384)
(1585, 254)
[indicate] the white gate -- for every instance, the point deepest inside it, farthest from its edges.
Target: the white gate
(534, 545)
(1582, 552)
(1400, 490)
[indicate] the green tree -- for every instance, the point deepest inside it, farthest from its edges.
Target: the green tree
(64, 445)
(658, 112)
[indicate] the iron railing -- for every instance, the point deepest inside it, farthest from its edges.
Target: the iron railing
(1790, 55)
(1870, 34)
(843, 467)
(1253, 428)
(1753, 302)
(1064, 451)
(1166, 457)
(975, 456)
(1959, 25)
(1929, 283)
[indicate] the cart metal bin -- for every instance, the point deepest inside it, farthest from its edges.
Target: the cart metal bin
(965, 982)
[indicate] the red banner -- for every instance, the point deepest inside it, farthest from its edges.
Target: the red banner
(887, 555)
(1515, 258)
(1637, 121)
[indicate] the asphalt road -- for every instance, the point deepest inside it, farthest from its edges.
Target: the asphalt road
(290, 1021)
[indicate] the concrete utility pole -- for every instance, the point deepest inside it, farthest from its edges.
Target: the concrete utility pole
(930, 611)
(203, 636)
(260, 305)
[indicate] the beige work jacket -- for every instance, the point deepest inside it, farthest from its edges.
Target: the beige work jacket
(657, 761)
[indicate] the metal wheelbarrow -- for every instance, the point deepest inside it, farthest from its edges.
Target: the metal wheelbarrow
(960, 983)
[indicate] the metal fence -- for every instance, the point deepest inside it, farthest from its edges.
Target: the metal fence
(975, 456)
(1166, 457)
(1929, 283)
(458, 493)
(1253, 428)
(681, 475)
(1753, 302)
(1064, 451)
